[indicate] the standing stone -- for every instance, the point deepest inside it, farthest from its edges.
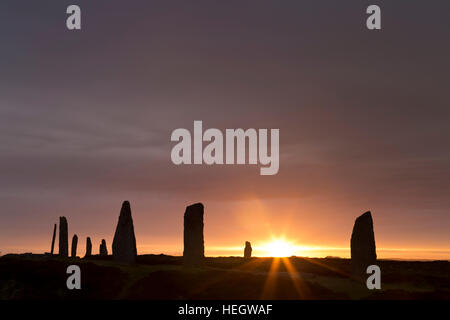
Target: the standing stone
(53, 240)
(103, 248)
(88, 247)
(363, 245)
(194, 252)
(63, 237)
(247, 250)
(124, 243)
(74, 246)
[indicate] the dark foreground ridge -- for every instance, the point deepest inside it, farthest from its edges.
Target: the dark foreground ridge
(43, 277)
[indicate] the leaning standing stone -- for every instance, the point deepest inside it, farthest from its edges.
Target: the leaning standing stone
(53, 240)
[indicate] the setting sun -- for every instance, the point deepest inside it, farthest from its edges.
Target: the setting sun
(279, 248)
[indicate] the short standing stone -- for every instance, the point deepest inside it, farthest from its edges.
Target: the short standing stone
(74, 246)
(247, 250)
(88, 247)
(103, 248)
(362, 244)
(193, 254)
(124, 243)
(63, 237)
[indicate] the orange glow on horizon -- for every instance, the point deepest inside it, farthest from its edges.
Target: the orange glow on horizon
(279, 247)
(276, 247)
(289, 248)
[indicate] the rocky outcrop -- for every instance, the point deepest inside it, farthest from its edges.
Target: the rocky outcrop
(103, 248)
(124, 243)
(363, 251)
(248, 250)
(63, 237)
(74, 246)
(193, 254)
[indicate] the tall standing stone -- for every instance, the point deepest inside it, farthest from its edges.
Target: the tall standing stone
(74, 246)
(63, 237)
(124, 243)
(362, 244)
(247, 250)
(88, 247)
(194, 252)
(53, 240)
(103, 248)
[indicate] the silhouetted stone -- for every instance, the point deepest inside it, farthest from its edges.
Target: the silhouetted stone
(248, 250)
(103, 248)
(53, 240)
(88, 247)
(193, 254)
(74, 246)
(363, 244)
(124, 243)
(63, 237)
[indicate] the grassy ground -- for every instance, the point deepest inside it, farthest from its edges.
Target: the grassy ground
(39, 277)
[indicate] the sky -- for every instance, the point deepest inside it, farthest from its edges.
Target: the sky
(86, 118)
